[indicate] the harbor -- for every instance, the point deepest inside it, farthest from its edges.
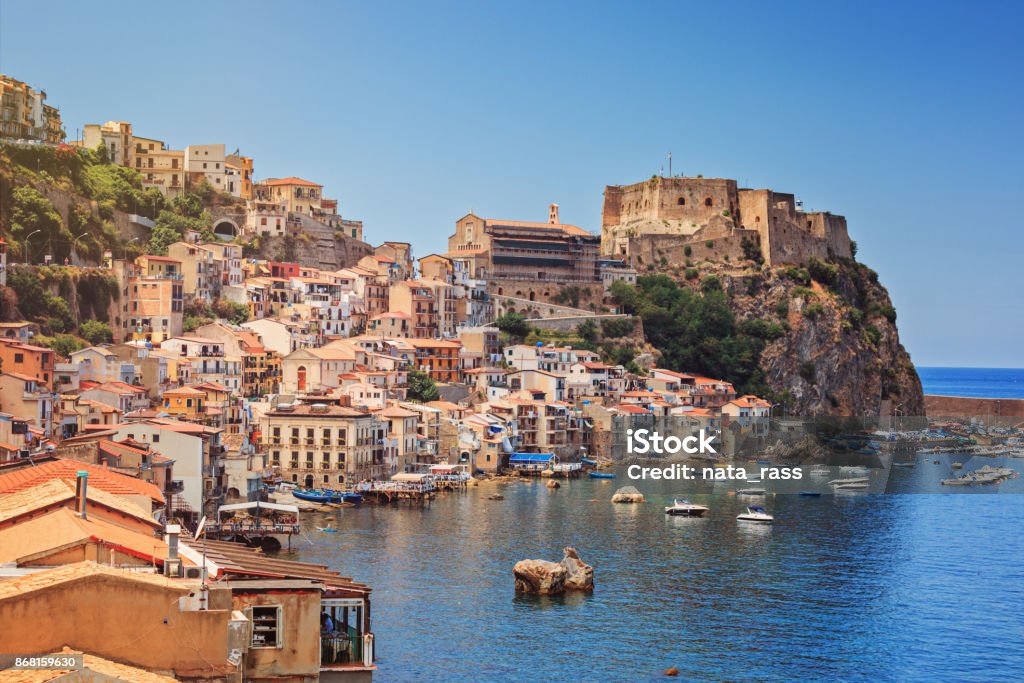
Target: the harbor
(705, 575)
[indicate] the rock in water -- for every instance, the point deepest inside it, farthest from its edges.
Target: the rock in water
(628, 494)
(672, 671)
(539, 577)
(579, 575)
(552, 484)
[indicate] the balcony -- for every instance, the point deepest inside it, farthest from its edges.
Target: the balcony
(175, 486)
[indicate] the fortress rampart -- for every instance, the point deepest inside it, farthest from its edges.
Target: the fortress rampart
(669, 214)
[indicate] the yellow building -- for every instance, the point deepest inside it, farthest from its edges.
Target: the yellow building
(160, 167)
(185, 403)
(243, 169)
(325, 446)
(116, 136)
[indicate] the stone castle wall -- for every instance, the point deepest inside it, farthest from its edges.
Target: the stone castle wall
(686, 210)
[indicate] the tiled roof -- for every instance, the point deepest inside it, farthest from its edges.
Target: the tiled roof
(63, 527)
(56, 491)
(107, 670)
(273, 182)
(10, 588)
(99, 477)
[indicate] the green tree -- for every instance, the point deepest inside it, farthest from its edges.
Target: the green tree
(234, 313)
(32, 212)
(587, 331)
(421, 387)
(64, 344)
(95, 332)
(514, 325)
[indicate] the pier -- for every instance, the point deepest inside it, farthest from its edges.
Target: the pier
(412, 488)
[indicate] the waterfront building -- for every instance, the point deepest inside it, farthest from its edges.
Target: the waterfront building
(321, 445)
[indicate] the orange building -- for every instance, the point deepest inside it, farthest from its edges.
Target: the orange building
(438, 358)
(31, 361)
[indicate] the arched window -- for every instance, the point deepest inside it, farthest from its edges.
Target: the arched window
(341, 478)
(708, 201)
(681, 201)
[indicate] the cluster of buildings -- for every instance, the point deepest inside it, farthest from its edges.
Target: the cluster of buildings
(93, 567)
(25, 116)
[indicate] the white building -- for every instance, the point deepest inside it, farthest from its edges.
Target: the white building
(208, 160)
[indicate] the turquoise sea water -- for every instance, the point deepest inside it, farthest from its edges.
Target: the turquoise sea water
(842, 588)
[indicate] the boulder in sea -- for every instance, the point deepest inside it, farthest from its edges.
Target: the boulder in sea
(552, 484)
(539, 577)
(579, 575)
(628, 494)
(672, 671)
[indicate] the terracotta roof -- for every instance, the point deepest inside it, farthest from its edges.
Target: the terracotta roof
(637, 410)
(292, 180)
(99, 477)
(168, 259)
(12, 588)
(31, 538)
(56, 491)
(397, 411)
(107, 670)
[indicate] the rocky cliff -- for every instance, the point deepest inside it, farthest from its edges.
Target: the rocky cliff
(839, 352)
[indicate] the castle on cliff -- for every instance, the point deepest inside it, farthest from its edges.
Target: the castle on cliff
(681, 218)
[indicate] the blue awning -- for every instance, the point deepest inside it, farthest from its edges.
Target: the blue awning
(530, 458)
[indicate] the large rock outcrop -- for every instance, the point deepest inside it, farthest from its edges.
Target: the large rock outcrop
(627, 495)
(579, 575)
(539, 577)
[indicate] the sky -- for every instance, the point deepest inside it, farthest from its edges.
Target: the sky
(904, 117)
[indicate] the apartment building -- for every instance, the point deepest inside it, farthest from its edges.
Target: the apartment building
(28, 360)
(160, 167)
(24, 114)
(206, 162)
(152, 299)
(329, 446)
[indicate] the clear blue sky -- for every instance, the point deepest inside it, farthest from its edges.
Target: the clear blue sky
(905, 118)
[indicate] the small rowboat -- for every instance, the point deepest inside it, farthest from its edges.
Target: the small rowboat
(600, 475)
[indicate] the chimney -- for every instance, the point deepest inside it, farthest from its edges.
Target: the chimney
(553, 214)
(81, 491)
(173, 531)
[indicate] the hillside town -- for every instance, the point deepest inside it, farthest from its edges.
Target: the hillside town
(221, 378)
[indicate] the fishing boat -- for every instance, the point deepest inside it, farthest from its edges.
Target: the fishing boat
(904, 464)
(850, 485)
(588, 461)
(820, 471)
(349, 497)
(755, 514)
(810, 494)
(683, 508)
(751, 492)
(956, 465)
(600, 475)
(328, 529)
(318, 496)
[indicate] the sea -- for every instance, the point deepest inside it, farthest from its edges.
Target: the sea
(858, 587)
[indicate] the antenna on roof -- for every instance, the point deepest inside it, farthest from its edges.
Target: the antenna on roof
(670, 164)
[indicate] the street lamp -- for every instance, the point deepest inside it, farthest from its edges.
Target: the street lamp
(26, 243)
(74, 241)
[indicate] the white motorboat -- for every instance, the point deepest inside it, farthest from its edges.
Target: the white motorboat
(681, 507)
(855, 469)
(820, 471)
(756, 515)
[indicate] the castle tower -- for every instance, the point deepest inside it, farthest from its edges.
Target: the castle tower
(553, 214)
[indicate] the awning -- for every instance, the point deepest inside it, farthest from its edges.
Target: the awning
(262, 506)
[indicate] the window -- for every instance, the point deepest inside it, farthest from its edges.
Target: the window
(266, 622)
(19, 358)
(681, 201)
(708, 201)
(156, 438)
